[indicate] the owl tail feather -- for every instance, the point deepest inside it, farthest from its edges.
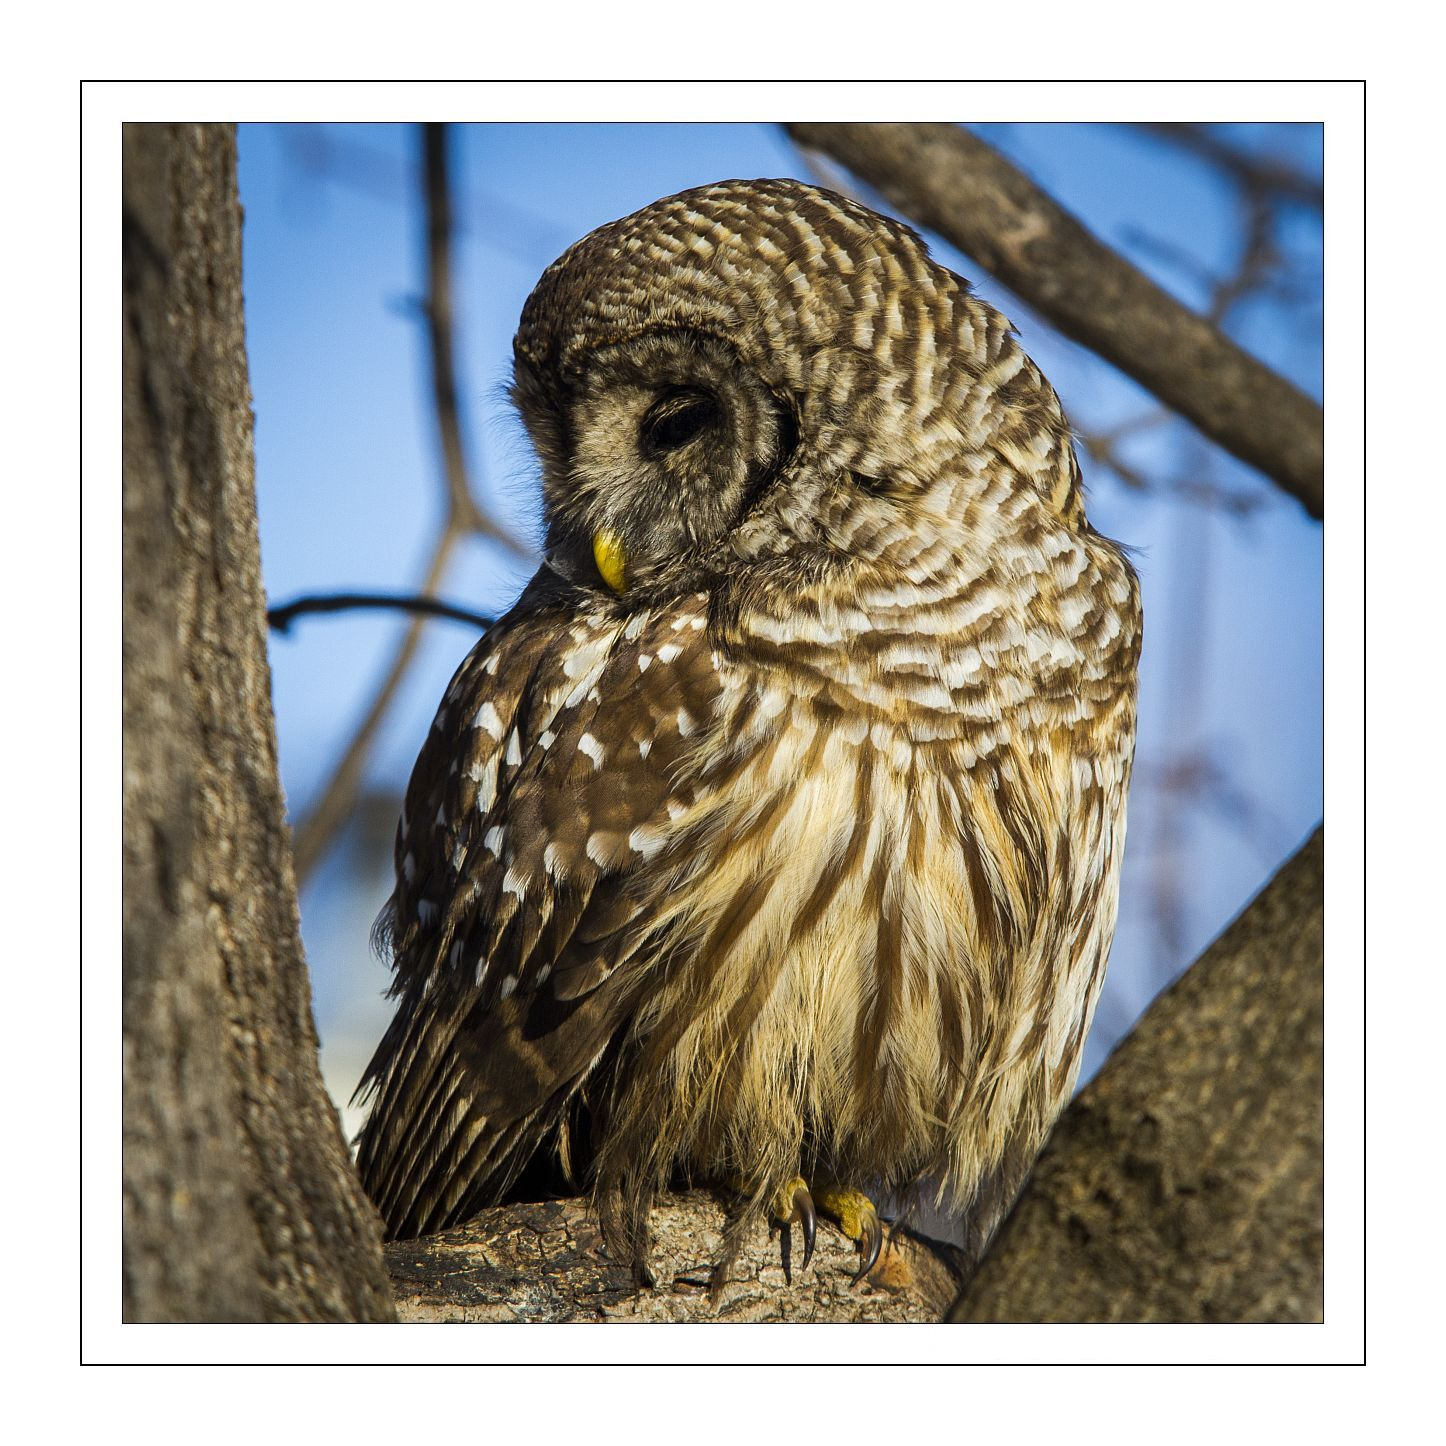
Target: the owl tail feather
(464, 1101)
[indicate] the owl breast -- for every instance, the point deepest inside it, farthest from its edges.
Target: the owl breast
(889, 934)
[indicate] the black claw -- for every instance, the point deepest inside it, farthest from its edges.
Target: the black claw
(803, 1209)
(801, 1213)
(870, 1241)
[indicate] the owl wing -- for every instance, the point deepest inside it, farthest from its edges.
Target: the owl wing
(524, 890)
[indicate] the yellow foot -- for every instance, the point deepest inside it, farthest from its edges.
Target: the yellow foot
(793, 1205)
(857, 1218)
(796, 1204)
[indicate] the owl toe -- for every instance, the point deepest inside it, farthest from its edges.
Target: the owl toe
(793, 1205)
(858, 1219)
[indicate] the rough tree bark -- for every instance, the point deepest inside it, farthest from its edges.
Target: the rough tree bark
(952, 182)
(239, 1201)
(546, 1263)
(1186, 1182)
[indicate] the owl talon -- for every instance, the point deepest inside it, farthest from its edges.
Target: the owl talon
(803, 1209)
(858, 1219)
(794, 1206)
(870, 1241)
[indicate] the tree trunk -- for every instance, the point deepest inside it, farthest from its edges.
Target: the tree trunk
(239, 1200)
(1185, 1183)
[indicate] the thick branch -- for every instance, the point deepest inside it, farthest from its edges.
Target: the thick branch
(1185, 1183)
(952, 182)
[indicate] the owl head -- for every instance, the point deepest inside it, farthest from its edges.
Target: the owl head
(758, 370)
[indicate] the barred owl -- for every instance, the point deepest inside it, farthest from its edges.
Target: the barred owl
(773, 838)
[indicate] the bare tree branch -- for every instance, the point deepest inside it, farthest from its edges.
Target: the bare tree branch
(281, 617)
(1261, 175)
(1102, 448)
(339, 158)
(952, 182)
(464, 516)
(463, 510)
(338, 798)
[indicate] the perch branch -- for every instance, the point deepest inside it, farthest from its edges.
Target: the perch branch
(547, 1263)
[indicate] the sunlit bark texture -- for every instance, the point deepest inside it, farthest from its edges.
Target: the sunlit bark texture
(547, 1262)
(1185, 1183)
(239, 1200)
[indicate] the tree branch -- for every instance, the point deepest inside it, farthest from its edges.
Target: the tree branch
(1256, 174)
(464, 516)
(281, 617)
(950, 181)
(338, 798)
(546, 1263)
(462, 507)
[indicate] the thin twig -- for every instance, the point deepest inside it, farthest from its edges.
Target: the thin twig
(1262, 175)
(1103, 450)
(464, 517)
(1258, 262)
(315, 833)
(461, 502)
(336, 157)
(280, 618)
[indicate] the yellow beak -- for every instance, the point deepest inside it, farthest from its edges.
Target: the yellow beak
(607, 551)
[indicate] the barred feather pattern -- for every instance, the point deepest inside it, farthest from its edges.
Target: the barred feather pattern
(802, 853)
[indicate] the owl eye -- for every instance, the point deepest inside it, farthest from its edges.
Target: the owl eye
(676, 419)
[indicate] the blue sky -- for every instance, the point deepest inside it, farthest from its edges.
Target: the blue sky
(349, 494)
